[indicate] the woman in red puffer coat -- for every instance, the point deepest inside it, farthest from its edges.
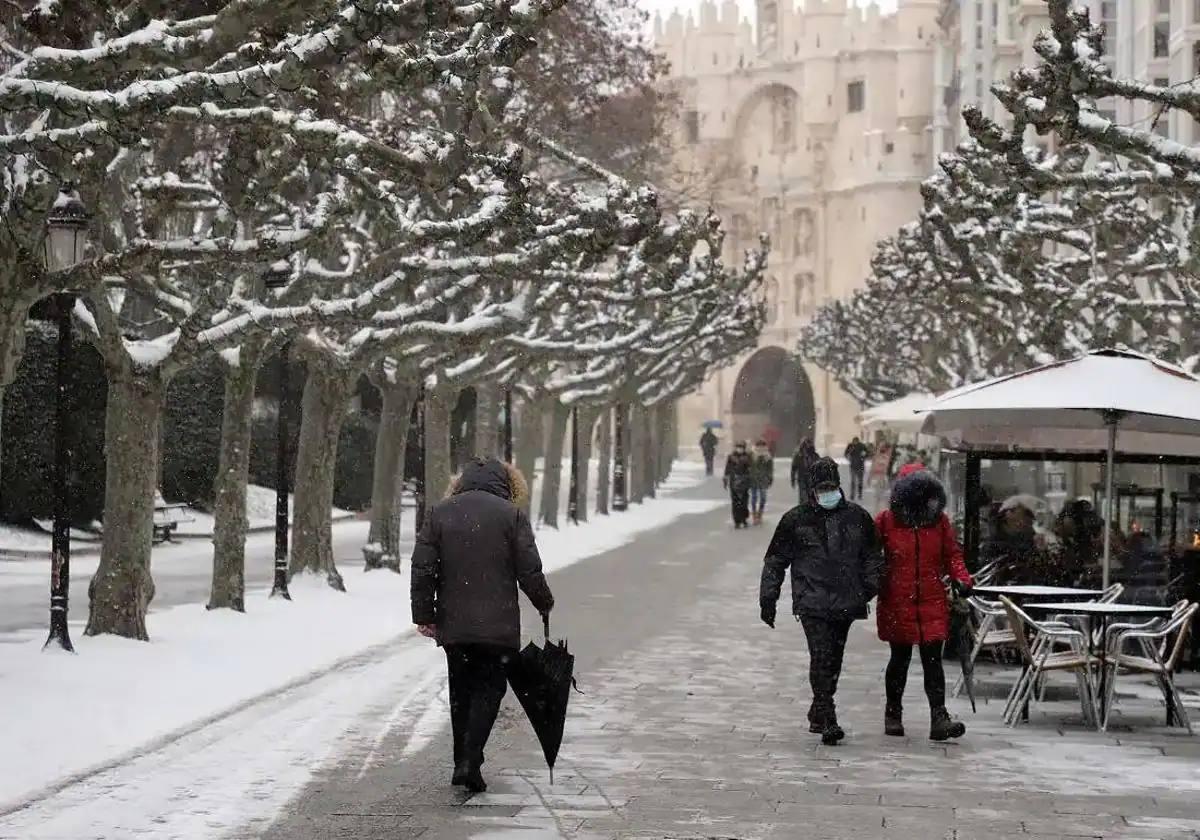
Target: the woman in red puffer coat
(921, 548)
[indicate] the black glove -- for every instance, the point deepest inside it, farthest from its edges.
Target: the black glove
(962, 590)
(768, 615)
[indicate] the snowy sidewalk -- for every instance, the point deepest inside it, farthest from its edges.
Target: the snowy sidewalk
(88, 718)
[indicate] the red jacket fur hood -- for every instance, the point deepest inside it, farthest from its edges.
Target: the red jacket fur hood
(920, 548)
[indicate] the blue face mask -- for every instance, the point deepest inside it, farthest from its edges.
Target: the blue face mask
(829, 499)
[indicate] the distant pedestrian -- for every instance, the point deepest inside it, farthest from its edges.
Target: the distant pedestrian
(737, 482)
(920, 549)
(474, 551)
(708, 447)
(762, 476)
(831, 548)
(802, 461)
(856, 454)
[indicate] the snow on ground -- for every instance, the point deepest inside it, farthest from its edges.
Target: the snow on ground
(260, 511)
(82, 716)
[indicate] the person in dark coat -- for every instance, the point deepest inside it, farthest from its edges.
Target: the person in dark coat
(831, 548)
(920, 548)
(475, 549)
(856, 454)
(708, 448)
(802, 461)
(762, 476)
(737, 482)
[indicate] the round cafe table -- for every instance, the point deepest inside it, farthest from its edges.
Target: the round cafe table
(1102, 614)
(1018, 593)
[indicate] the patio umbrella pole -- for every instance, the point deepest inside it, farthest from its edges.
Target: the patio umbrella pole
(1111, 419)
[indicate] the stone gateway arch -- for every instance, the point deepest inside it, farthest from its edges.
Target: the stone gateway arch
(773, 392)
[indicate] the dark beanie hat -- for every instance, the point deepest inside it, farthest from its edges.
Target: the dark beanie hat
(824, 471)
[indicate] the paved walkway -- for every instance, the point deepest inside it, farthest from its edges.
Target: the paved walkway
(692, 726)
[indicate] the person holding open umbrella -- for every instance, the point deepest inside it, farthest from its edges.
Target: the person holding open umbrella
(475, 549)
(920, 548)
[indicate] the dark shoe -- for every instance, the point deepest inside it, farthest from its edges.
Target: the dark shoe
(816, 720)
(893, 723)
(460, 775)
(833, 734)
(942, 727)
(473, 780)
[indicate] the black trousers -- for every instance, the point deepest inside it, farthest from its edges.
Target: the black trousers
(478, 682)
(708, 464)
(856, 482)
(740, 501)
(826, 647)
(896, 676)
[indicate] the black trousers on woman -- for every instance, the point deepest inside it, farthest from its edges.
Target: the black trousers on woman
(897, 674)
(478, 682)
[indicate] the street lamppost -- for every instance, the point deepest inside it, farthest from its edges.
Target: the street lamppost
(65, 245)
(619, 500)
(277, 277)
(419, 483)
(508, 426)
(573, 493)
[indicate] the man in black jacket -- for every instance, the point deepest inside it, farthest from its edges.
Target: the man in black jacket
(856, 454)
(831, 547)
(474, 550)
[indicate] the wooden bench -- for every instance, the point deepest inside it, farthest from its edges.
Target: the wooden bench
(166, 520)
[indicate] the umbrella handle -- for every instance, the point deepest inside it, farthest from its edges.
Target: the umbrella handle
(546, 625)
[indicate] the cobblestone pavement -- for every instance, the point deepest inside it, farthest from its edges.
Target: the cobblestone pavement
(692, 726)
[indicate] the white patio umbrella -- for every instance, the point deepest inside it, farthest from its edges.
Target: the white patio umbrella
(903, 416)
(1107, 400)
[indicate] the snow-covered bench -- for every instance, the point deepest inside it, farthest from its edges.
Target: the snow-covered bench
(167, 518)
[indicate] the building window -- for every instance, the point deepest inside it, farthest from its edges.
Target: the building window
(783, 118)
(805, 289)
(802, 232)
(856, 97)
(714, 59)
(889, 147)
(1108, 20)
(1195, 11)
(768, 25)
(1162, 40)
(691, 126)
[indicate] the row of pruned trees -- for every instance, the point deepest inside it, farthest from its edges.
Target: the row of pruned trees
(1027, 252)
(363, 182)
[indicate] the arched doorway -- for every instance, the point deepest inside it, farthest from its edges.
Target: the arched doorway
(773, 391)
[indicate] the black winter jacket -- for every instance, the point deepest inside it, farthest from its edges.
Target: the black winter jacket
(835, 560)
(737, 471)
(475, 548)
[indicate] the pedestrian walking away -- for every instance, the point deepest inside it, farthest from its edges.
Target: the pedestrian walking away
(856, 454)
(708, 448)
(802, 461)
(474, 551)
(920, 549)
(830, 547)
(762, 476)
(737, 482)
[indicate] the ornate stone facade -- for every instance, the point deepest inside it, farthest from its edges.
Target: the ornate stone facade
(813, 126)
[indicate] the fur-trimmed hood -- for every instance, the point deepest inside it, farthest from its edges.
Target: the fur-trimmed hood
(918, 499)
(492, 476)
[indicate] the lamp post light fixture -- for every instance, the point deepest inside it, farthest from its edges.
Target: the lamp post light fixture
(276, 277)
(65, 246)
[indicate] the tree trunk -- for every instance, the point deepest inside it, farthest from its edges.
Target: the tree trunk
(634, 465)
(650, 441)
(583, 472)
(529, 442)
(670, 448)
(488, 400)
(604, 479)
(383, 542)
(229, 487)
(122, 588)
(439, 408)
(326, 397)
(560, 417)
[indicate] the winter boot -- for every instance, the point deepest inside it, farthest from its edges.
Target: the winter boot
(468, 775)
(833, 734)
(893, 723)
(816, 720)
(942, 727)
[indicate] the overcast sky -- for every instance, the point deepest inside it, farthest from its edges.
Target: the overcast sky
(666, 6)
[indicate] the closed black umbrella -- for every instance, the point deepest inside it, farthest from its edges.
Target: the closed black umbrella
(960, 620)
(542, 679)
